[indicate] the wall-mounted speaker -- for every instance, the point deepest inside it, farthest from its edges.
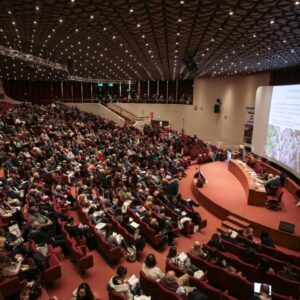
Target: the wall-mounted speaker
(217, 108)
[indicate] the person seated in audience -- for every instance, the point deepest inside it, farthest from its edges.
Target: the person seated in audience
(228, 236)
(249, 255)
(215, 242)
(12, 243)
(265, 266)
(197, 250)
(178, 285)
(162, 227)
(151, 269)
(264, 293)
(287, 272)
(121, 285)
(9, 268)
(83, 292)
(64, 196)
(248, 233)
(76, 230)
(36, 216)
(266, 240)
(214, 258)
(5, 208)
(41, 237)
(17, 267)
(184, 264)
(186, 202)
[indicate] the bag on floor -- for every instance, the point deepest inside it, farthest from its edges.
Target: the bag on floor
(140, 243)
(32, 291)
(40, 260)
(131, 254)
(90, 240)
(196, 295)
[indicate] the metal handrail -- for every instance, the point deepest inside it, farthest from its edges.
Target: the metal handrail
(123, 112)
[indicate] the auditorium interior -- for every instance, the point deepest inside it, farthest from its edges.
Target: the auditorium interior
(149, 149)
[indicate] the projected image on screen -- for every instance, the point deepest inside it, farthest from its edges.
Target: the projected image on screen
(283, 135)
(283, 145)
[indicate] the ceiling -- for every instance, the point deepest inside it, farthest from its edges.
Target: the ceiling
(149, 39)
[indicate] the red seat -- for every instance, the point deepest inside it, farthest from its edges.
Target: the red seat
(235, 284)
(280, 297)
(274, 201)
(112, 295)
(226, 296)
(54, 271)
(166, 294)
(82, 260)
(203, 286)
(270, 251)
(112, 254)
(10, 287)
(171, 267)
(150, 286)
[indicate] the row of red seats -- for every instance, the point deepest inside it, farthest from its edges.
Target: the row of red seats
(148, 232)
(236, 285)
(272, 252)
(12, 286)
(79, 253)
(157, 291)
(276, 263)
(280, 284)
(112, 254)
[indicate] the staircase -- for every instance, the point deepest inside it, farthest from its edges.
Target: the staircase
(233, 223)
(128, 121)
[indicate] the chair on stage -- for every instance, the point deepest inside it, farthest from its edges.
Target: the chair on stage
(272, 190)
(273, 202)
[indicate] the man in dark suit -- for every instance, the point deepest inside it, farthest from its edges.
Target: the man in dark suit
(41, 237)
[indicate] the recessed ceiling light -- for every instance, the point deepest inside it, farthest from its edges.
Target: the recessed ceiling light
(272, 22)
(131, 10)
(138, 25)
(91, 17)
(231, 13)
(297, 2)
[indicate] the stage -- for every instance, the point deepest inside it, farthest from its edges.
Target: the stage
(223, 194)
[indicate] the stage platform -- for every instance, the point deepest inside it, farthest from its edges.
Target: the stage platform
(223, 195)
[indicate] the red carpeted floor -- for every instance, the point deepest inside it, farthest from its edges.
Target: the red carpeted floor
(225, 188)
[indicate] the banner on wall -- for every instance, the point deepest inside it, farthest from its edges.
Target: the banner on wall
(248, 128)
